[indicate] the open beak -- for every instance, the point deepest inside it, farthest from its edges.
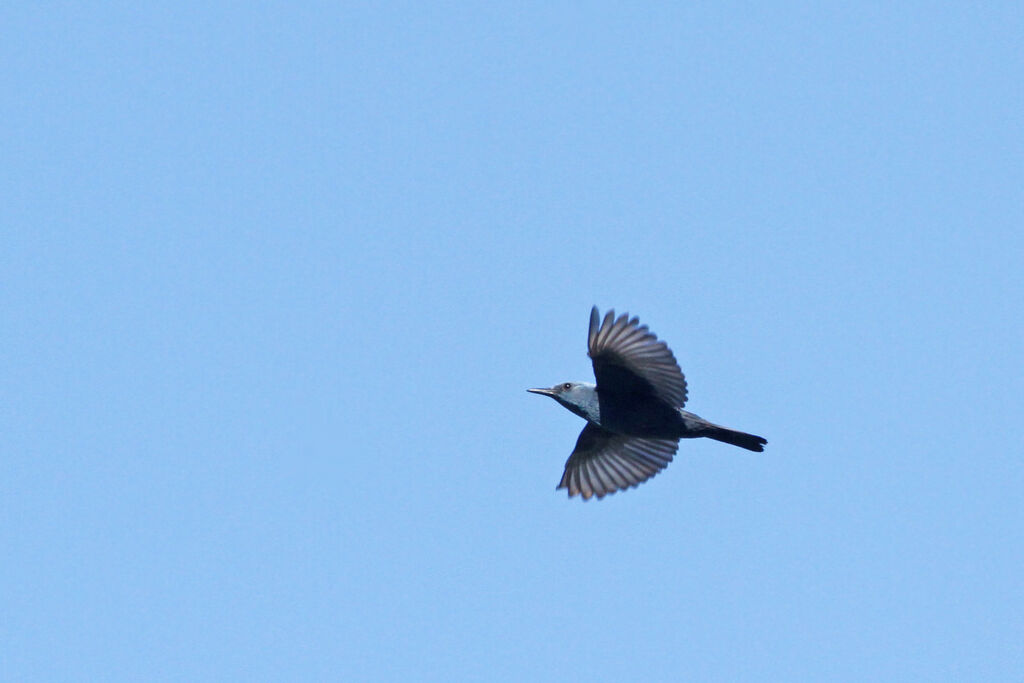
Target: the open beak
(545, 392)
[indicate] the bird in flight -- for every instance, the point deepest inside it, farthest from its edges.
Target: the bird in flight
(634, 413)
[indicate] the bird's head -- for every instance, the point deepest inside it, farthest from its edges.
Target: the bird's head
(579, 397)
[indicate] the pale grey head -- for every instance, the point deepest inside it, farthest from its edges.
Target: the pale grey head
(579, 397)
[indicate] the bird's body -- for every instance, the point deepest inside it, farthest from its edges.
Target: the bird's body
(634, 413)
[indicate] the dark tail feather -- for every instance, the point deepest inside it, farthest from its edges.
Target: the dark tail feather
(741, 439)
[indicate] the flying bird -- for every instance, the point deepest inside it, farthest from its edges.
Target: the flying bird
(634, 413)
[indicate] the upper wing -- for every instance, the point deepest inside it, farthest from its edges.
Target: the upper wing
(604, 462)
(629, 359)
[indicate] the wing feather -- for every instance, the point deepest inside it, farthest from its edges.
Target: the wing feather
(604, 462)
(630, 359)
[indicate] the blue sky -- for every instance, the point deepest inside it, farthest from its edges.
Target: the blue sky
(274, 280)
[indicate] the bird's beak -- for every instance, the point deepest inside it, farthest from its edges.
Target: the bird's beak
(545, 392)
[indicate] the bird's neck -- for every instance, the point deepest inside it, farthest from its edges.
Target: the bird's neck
(588, 408)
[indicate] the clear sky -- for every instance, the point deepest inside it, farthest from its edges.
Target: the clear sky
(274, 279)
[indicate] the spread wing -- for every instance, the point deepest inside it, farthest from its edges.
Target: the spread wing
(629, 359)
(604, 463)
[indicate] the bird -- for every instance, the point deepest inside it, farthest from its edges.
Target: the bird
(634, 412)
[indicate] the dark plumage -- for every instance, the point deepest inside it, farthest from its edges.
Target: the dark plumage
(634, 413)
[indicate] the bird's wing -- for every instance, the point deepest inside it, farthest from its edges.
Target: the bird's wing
(604, 462)
(629, 359)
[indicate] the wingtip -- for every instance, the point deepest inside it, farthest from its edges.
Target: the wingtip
(570, 494)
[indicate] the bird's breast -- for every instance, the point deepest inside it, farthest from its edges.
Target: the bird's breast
(639, 415)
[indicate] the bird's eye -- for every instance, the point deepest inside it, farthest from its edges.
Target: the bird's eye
(566, 386)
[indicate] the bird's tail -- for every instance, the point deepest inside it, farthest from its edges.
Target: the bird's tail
(731, 436)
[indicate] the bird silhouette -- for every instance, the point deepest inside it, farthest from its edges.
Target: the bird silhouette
(634, 413)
